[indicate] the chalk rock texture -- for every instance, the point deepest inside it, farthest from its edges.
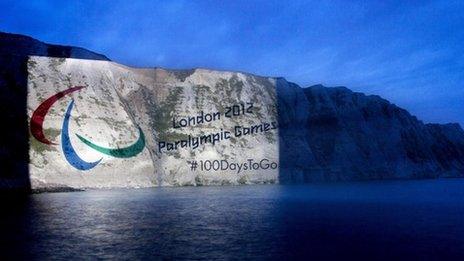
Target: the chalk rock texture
(116, 100)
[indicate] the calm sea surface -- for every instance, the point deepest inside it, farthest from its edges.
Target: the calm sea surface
(382, 220)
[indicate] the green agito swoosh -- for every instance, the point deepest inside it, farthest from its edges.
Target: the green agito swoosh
(126, 152)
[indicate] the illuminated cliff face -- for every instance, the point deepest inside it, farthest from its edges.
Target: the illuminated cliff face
(100, 124)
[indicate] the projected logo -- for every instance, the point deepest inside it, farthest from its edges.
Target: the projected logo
(69, 152)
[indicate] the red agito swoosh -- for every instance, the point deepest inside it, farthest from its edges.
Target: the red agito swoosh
(38, 116)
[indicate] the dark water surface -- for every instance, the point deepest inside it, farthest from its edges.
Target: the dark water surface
(381, 220)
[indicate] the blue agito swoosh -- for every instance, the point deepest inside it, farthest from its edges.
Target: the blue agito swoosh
(68, 150)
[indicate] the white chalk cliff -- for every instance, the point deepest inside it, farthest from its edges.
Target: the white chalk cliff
(310, 134)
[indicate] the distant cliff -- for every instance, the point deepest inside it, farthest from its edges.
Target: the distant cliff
(344, 135)
(322, 134)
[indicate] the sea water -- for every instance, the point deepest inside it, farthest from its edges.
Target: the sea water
(382, 220)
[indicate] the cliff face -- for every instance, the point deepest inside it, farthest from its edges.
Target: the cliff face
(14, 135)
(219, 107)
(351, 136)
(125, 127)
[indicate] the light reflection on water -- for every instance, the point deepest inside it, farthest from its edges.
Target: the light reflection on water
(383, 220)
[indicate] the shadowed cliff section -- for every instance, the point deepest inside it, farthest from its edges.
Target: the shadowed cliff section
(335, 134)
(14, 136)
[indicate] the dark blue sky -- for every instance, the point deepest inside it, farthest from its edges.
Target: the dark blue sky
(410, 52)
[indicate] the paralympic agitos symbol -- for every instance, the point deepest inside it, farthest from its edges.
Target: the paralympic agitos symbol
(36, 125)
